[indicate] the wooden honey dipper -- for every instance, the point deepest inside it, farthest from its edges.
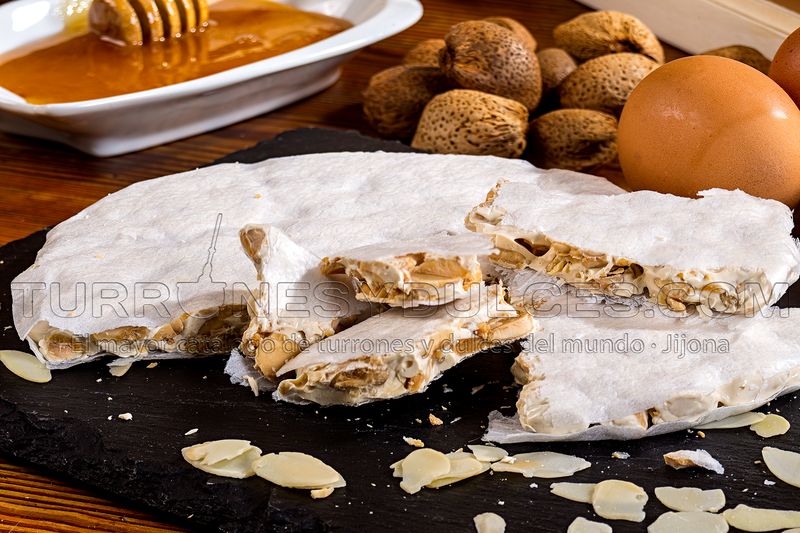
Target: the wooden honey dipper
(136, 22)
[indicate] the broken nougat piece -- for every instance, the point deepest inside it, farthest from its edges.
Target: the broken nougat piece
(430, 271)
(678, 252)
(600, 371)
(198, 322)
(283, 323)
(401, 351)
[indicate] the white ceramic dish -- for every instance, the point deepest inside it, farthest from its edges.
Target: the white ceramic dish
(122, 124)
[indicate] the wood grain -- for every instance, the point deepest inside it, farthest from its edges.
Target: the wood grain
(43, 183)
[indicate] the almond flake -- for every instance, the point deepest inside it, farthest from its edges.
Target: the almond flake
(25, 365)
(543, 464)
(414, 442)
(227, 457)
(119, 370)
(577, 492)
(421, 467)
(252, 383)
(321, 493)
(752, 519)
(682, 522)
(487, 454)
(619, 500)
(152, 365)
(297, 470)
(489, 523)
(462, 466)
(687, 458)
(690, 499)
(581, 525)
(784, 464)
(434, 420)
(735, 421)
(771, 426)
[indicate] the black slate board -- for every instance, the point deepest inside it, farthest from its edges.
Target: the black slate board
(64, 426)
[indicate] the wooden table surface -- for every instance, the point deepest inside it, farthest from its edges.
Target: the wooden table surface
(43, 183)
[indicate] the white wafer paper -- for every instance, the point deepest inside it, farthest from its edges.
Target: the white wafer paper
(595, 362)
(728, 235)
(119, 262)
(719, 229)
(242, 371)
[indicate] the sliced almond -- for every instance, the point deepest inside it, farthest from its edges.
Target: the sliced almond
(462, 466)
(698, 458)
(414, 442)
(735, 421)
(212, 452)
(119, 370)
(228, 457)
(691, 499)
(25, 365)
(421, 467)
(753, 519)
(581, 525)
(771, 426)
(489, 523)
(619, 500)
(487, 454)
(543, 465)
(321, 493)
(297, 471)
(682, 522)
(577, 492)
(784, 464)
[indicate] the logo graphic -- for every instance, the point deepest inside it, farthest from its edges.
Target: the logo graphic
(209, 292)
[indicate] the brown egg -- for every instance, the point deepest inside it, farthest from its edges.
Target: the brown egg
(702, 122)
(785, 67)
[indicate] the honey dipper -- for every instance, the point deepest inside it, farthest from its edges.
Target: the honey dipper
(136, 22)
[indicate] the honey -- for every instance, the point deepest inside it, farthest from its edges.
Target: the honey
(87, 67)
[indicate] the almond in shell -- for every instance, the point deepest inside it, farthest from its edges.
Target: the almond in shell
(486, 57)
(470, 122)
(574, 139)
(395, 98)
(598, 33)
(604, 83)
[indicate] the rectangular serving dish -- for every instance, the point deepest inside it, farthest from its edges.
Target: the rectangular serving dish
(697, 26)
(112, 126)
